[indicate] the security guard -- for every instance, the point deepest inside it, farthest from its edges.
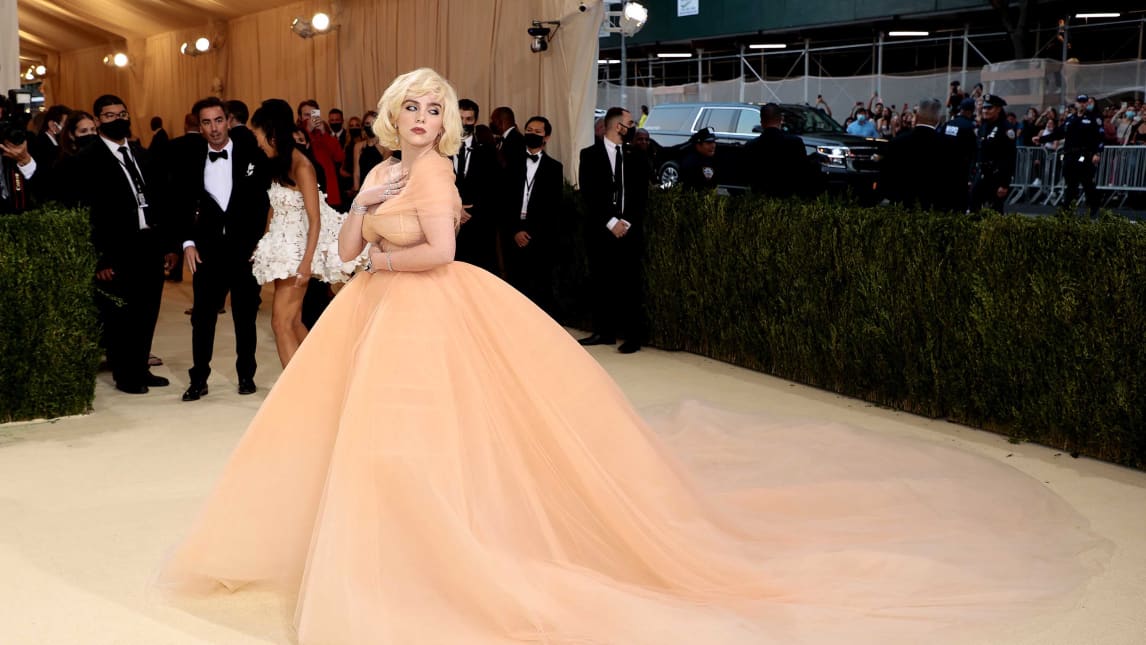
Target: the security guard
(698, 169)
(964, 135)
(996, 156)
(1081, 152)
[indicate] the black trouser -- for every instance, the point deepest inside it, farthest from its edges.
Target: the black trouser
(986, 194)
(1075, 172)
(530, 271)
(129, 307)
(218, 274)
(615, 274)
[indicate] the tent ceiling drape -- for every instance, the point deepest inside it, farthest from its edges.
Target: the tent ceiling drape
(480, 45)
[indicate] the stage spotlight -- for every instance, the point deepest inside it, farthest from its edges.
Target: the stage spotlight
(202, 45)
(41, 70)
(320, 21)
(541, 35)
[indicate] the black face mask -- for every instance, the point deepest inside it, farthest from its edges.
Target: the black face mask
(301, 147)
(355, 133)
(369, 131)
(336, 128)
(116, 130)
(533, 141)
(629, 135)
(468, 129)
(85, 140)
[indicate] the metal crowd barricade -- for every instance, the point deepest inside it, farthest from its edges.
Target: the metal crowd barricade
(1121, 170)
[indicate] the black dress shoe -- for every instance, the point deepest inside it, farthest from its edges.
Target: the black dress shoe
(247, 386)
(597, 339)
(195, 391)
(155, 381)
(131, 388)
(629, 347)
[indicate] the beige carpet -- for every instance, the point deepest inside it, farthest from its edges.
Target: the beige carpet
(89, 505)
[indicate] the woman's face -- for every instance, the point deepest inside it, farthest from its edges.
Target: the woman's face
(85, 127)
(299, 137)
(368, 122)
(264, 144)
(420, 121)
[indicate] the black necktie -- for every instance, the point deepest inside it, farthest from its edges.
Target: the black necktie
(618, 181)
(534, 158)
(128, 163)
(213, 156)
(462, 161)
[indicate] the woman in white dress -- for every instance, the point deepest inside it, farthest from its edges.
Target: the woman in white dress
(302, 239)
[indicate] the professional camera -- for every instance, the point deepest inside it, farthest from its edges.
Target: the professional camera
(13, 131)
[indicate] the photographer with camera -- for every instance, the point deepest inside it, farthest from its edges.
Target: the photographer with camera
(17, 167)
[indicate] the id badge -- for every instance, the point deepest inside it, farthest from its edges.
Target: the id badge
(142, 199)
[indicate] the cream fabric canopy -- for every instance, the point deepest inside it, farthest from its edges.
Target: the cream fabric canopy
(480, 45)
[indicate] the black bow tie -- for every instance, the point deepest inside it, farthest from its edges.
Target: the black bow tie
(534, 158)
(213, 156)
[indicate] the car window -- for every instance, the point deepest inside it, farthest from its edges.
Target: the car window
(721, 120)
(748, 119)
(670, 118)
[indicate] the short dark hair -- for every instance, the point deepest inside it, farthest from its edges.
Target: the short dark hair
(613, 116)
(335, 111)
(104, 101)
(469, 104)
(156, 122)
(209, 102)
(311, 102)
(543, 121)
(56, 113)
(504, 112)
(770, 113)
(238, 110)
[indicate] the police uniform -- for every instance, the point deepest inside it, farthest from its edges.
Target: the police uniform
(1084, 139)
(996, 158)
(965, 139)
(698, 172)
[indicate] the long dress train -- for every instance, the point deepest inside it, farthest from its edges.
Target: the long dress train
(442, 464)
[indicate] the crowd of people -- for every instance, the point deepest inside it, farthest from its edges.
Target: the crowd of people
(240, 200)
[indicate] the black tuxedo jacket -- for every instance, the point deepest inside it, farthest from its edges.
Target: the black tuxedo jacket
(477, 186)
(544, 208)
(595, 179)
(512, 148)
(238, 229)
(44, 150)
(921, 167)
(779, 164)
(23, 193)
(95, 178)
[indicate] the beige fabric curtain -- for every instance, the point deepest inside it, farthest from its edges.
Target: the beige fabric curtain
(480, 45)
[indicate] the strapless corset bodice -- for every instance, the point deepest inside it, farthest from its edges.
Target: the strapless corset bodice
(399, 227)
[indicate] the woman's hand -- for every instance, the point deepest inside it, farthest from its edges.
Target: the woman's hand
(302, 275)
(377, 259)
(382, 192)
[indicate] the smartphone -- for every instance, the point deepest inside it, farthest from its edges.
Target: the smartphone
(316, 114)
(1124, 105)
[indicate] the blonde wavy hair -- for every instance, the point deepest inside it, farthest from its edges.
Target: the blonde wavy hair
(420, 82)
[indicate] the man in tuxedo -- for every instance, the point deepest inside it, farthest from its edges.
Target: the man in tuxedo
(614, 183)
(18, 177)
(123, 190)
(475, 175)
(237, 130)
(532, 210)
(511, 145)
(780, 165)
(922, 167)
(223, 208)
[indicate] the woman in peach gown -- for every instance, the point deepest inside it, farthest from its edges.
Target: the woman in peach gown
(440, 463)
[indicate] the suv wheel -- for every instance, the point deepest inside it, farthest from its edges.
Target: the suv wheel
(669, 174)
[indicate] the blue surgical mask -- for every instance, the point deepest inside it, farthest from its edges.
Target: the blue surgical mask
(1130, 114)
(1089, 107)
(861, 118)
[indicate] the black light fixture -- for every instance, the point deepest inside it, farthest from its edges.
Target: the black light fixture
(542, 34)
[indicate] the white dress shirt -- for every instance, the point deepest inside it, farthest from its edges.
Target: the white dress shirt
(530, 175)
(218, 180)
(468, 144)
(141, 200)
(611, 150)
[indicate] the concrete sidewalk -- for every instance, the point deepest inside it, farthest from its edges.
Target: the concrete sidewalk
(91, 504)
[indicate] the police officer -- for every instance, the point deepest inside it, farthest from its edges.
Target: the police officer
(996, 156)
(698, 169)
(1081, 151)
(964, 138)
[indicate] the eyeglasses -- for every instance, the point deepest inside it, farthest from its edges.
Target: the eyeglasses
(108, 116)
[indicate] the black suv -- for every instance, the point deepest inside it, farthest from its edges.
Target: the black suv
(847, 161)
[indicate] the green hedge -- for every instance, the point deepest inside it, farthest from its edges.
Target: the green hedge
(48, 328)
(1032, 327)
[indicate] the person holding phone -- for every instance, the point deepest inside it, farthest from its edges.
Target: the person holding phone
(324, 145)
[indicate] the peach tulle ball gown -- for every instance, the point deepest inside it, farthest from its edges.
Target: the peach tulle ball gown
(443, 464)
